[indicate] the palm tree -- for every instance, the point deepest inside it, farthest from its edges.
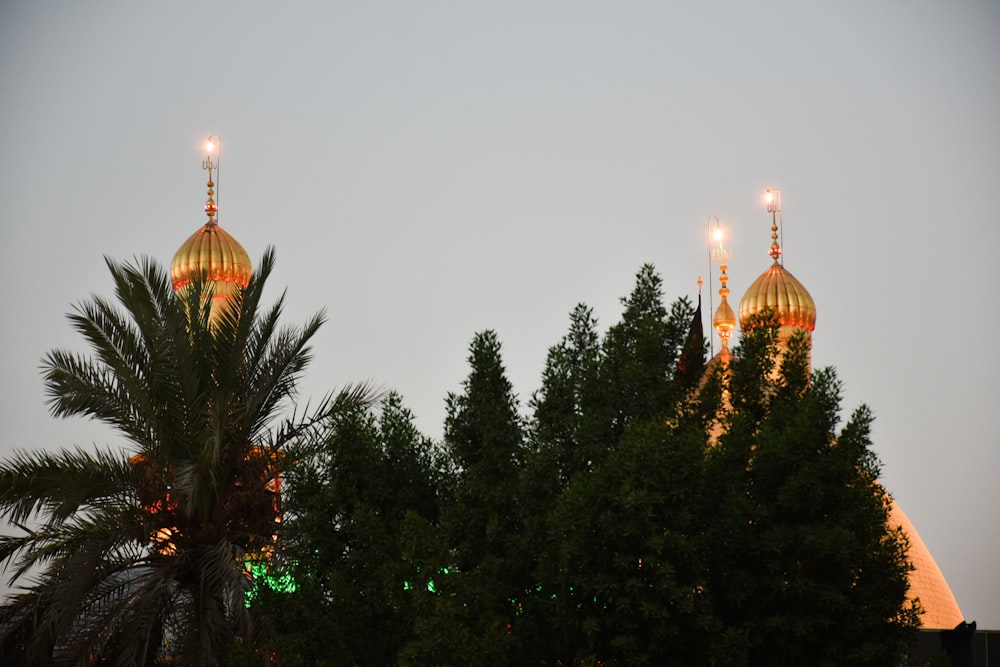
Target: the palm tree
(126, 556)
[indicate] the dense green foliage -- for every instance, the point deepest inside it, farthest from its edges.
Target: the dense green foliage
(649, 509)
(352, 513)
(127, 555)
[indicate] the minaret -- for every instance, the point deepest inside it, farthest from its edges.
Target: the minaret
(778, 290)
(210, 253)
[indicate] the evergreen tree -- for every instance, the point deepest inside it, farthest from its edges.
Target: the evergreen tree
(612, 553)
(650, 519)
(484, 436)
(639, 356)
(481, 528)
(564, 406)
(353, 512)
(626, 579)
(805, 570)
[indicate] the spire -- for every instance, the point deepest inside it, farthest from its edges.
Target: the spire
(724, 319)
(212, 150)
(773, 199)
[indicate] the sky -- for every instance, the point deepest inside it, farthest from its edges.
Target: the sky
(429, 170)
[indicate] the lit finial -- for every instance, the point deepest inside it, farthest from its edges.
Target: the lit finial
(719, 251)
(211, 162)
(724, 318)
(773, 200)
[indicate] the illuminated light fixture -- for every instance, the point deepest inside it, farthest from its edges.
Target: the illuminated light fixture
(212, 148)
(773, 200)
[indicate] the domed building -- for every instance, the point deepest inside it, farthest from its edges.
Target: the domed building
(211, 253)
(777, 291)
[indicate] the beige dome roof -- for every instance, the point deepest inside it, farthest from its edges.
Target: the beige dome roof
(780, 291)
(926, 580)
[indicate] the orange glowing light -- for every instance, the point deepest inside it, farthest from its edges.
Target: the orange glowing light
(717, 234)
(769, 196)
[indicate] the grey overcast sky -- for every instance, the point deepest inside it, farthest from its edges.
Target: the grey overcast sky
(430, 169)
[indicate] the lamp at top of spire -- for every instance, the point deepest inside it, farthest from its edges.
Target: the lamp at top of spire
(773, 199)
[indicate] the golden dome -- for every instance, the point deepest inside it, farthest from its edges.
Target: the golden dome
(780, 291)
(211, 253)
(725, 317)
(926, 580)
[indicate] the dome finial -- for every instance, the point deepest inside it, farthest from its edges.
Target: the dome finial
(211, 162)
(773, 199)
(724, 319)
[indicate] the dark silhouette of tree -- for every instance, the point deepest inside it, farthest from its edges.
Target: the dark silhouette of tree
(648, 512)
(358, 516)
(480, 536)
(805, 570)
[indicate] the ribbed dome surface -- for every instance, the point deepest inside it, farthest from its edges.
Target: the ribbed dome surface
(926, 580)
(211, 252)
(724, 318)
(779, 290)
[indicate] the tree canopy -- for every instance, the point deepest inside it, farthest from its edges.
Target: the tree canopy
(644, 507)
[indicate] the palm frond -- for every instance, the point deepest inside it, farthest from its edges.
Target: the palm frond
(58, 485)
(120, 557)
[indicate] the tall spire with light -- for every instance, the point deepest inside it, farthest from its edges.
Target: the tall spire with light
(211, 254)
(724, 319)
(212, 149)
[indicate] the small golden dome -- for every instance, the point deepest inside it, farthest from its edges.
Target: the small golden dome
(213, 254)
(780, 291)
(725, 317)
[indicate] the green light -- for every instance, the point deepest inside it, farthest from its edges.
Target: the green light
(258, 569)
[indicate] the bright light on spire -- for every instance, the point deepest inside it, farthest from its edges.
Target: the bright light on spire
(212, 147)
(773, 200)
(718, 251)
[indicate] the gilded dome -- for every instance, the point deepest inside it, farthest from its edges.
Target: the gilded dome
(724, 318)
(779, 290)
(927, 583)
(211, 252)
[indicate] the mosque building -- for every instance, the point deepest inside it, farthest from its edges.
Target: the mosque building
(779, 291)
